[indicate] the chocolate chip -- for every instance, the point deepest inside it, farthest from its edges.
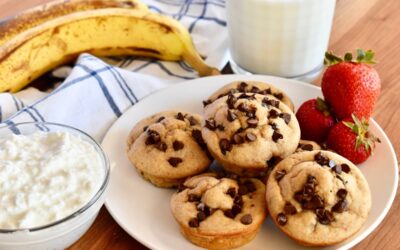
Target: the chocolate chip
(321, 160)
(201, 216)
(298, 196)
(174, 161)
(181, 187)
(193, 121)
(276, 136)
(307, 147)
(193, 198)
(225, 146)
(252, 123)
(273, 126)
(144, 128)
(286, 117)
(280, 174)
(231, 116)
(206, 102)
(250, 136)
(237, 139)
(345, 168)
(340, 206)
(228, 213)
(289, 208)
(194, 222)
(246, 219)
(220, 127)
(324, 216)
(278, 95)
(153, 137)
(281, 219)
(242, 87)
(200, 207)
(180, 116)
(236, 209)
(265, 91)
(238, 200)
(210, 124)
(270, 102)
(231, 192)
(251, 112)
(231, 101)
(311, 180)
(160, 119)
(243, 190)
(341, 193)
(317, 201)
(254, 89)
(337, 169)
(243, 107)
(177, 145)
(250, 186)
(162, 146)
(239, 130)
(246, 96)
(273, 113)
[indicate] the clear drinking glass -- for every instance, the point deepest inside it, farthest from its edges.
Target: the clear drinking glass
(285, 38)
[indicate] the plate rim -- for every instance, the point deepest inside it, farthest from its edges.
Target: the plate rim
(227, 77)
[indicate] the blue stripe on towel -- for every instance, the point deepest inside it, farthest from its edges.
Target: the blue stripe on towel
(124, 85)
(104, 89)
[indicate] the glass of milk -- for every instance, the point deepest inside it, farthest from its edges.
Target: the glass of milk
(286, 38)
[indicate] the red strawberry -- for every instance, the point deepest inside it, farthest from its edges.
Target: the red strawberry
(351, 139)
(314, 119)
(351, 86)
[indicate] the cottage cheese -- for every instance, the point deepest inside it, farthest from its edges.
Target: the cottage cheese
(45, 177)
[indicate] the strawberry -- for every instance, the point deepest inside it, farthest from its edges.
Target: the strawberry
(351, 139)
(314, 119)
(351, 86)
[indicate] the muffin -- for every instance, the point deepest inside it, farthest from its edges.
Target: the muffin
(246, 133)
(169, 150)
(219, 213)
(251, 87)
(318, 198)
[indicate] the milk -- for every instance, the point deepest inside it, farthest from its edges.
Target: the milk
(279, 37)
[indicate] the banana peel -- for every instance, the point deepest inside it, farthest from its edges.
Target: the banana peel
(42, 13)
(103, 32)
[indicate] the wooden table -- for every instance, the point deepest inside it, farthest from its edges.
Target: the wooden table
(368, 24)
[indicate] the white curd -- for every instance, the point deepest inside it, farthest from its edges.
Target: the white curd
(45, 177)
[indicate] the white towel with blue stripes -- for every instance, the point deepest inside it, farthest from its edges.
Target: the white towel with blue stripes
(96, 93)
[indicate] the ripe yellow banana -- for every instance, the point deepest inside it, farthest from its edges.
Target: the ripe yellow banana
(42, 13)
(109, 31)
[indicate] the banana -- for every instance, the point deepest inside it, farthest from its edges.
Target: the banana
(102, 32)
(42, 13)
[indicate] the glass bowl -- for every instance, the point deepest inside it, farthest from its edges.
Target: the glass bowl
(64, 232)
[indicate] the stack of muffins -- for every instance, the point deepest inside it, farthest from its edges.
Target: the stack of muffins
(316, 197)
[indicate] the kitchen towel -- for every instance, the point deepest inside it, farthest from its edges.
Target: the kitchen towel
(96, 92)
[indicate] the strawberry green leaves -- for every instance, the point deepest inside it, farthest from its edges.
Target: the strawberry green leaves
(361, 57)
(363, 136)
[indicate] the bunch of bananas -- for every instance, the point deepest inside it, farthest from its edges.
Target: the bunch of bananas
(45, 37)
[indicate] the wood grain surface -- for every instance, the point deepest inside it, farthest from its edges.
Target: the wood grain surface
(368, 24)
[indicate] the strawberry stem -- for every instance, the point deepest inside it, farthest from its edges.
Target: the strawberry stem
(323, 106)
(362, 57)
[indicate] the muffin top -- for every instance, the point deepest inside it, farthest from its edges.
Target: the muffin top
(318, 197)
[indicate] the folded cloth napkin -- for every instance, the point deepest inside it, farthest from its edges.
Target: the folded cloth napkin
(96, 93)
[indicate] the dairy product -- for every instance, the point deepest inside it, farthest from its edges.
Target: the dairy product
(45, 177)
(279, 37)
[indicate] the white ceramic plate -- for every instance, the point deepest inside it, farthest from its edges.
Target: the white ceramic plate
(142, 210)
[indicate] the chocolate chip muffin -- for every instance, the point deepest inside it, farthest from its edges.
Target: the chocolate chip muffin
(306, 145)
(219, 212)
(318, 198)
(169, 150)
(251, 87)
(246, 133)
